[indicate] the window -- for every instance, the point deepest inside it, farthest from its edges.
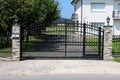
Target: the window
(97, 7)
(118, 6)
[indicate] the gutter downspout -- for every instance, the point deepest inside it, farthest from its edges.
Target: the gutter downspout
(81, 18)
(74, 7)
(81, 11)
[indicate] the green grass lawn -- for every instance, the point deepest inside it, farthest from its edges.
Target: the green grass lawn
(60, 30)
(6, 51)
(115, 45)
(116, 48)
(5, 48)
(117, 59)
(116, 51)
(37, 38)
(92, 43)
(26, 46)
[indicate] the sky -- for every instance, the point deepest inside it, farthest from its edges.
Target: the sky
(66, 8)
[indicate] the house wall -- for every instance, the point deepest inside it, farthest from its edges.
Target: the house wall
(116, 28)
(78, 10)
(98, 17)
(116, 22)
(116, 5)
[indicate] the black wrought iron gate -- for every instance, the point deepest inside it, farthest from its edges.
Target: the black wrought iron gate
(62, 40)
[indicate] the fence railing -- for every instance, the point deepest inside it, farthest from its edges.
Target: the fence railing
(116, 46)
(4, 39)
(5, 43)
(84, 40)
(116, 14)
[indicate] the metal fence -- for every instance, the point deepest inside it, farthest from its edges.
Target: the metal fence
(5, 43)
(116, 46)
(116, 14)
(94, 39)
(62, 40)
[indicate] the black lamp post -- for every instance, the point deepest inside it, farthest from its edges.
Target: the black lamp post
(16, 20)
(108, 20)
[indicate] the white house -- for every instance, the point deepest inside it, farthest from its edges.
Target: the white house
(96, 12)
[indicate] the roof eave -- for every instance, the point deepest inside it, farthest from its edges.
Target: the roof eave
(74, 2)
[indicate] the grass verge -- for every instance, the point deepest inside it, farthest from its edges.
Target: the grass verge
(116, 59)
(116, 48)
(93, 43)
(6, 51)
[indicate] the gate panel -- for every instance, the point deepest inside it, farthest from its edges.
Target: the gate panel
(93, 41)
(70, 39)
(50, 42)
(56, 39)
(74, 40)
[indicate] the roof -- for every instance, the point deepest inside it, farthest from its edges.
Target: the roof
(74, 1)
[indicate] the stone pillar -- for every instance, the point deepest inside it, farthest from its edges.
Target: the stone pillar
(107, 43)
(16, 42)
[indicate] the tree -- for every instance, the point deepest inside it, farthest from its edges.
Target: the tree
(28, 12)
(10, 8)
(46, 10)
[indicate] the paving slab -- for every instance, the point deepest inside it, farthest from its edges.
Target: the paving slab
(52, 67)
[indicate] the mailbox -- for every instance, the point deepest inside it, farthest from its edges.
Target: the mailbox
(15, 35)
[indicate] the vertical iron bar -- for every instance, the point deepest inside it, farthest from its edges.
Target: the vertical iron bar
(21, 55)
(81, 13)
(81, 17)
(99, 43)
(77, 26)
(102, 44)
(66, 38)
(84, 38)
(27, 36)
(1, 38)
(7, 38)
(78, 40)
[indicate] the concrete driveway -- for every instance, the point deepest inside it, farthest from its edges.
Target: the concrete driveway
(51, 67)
